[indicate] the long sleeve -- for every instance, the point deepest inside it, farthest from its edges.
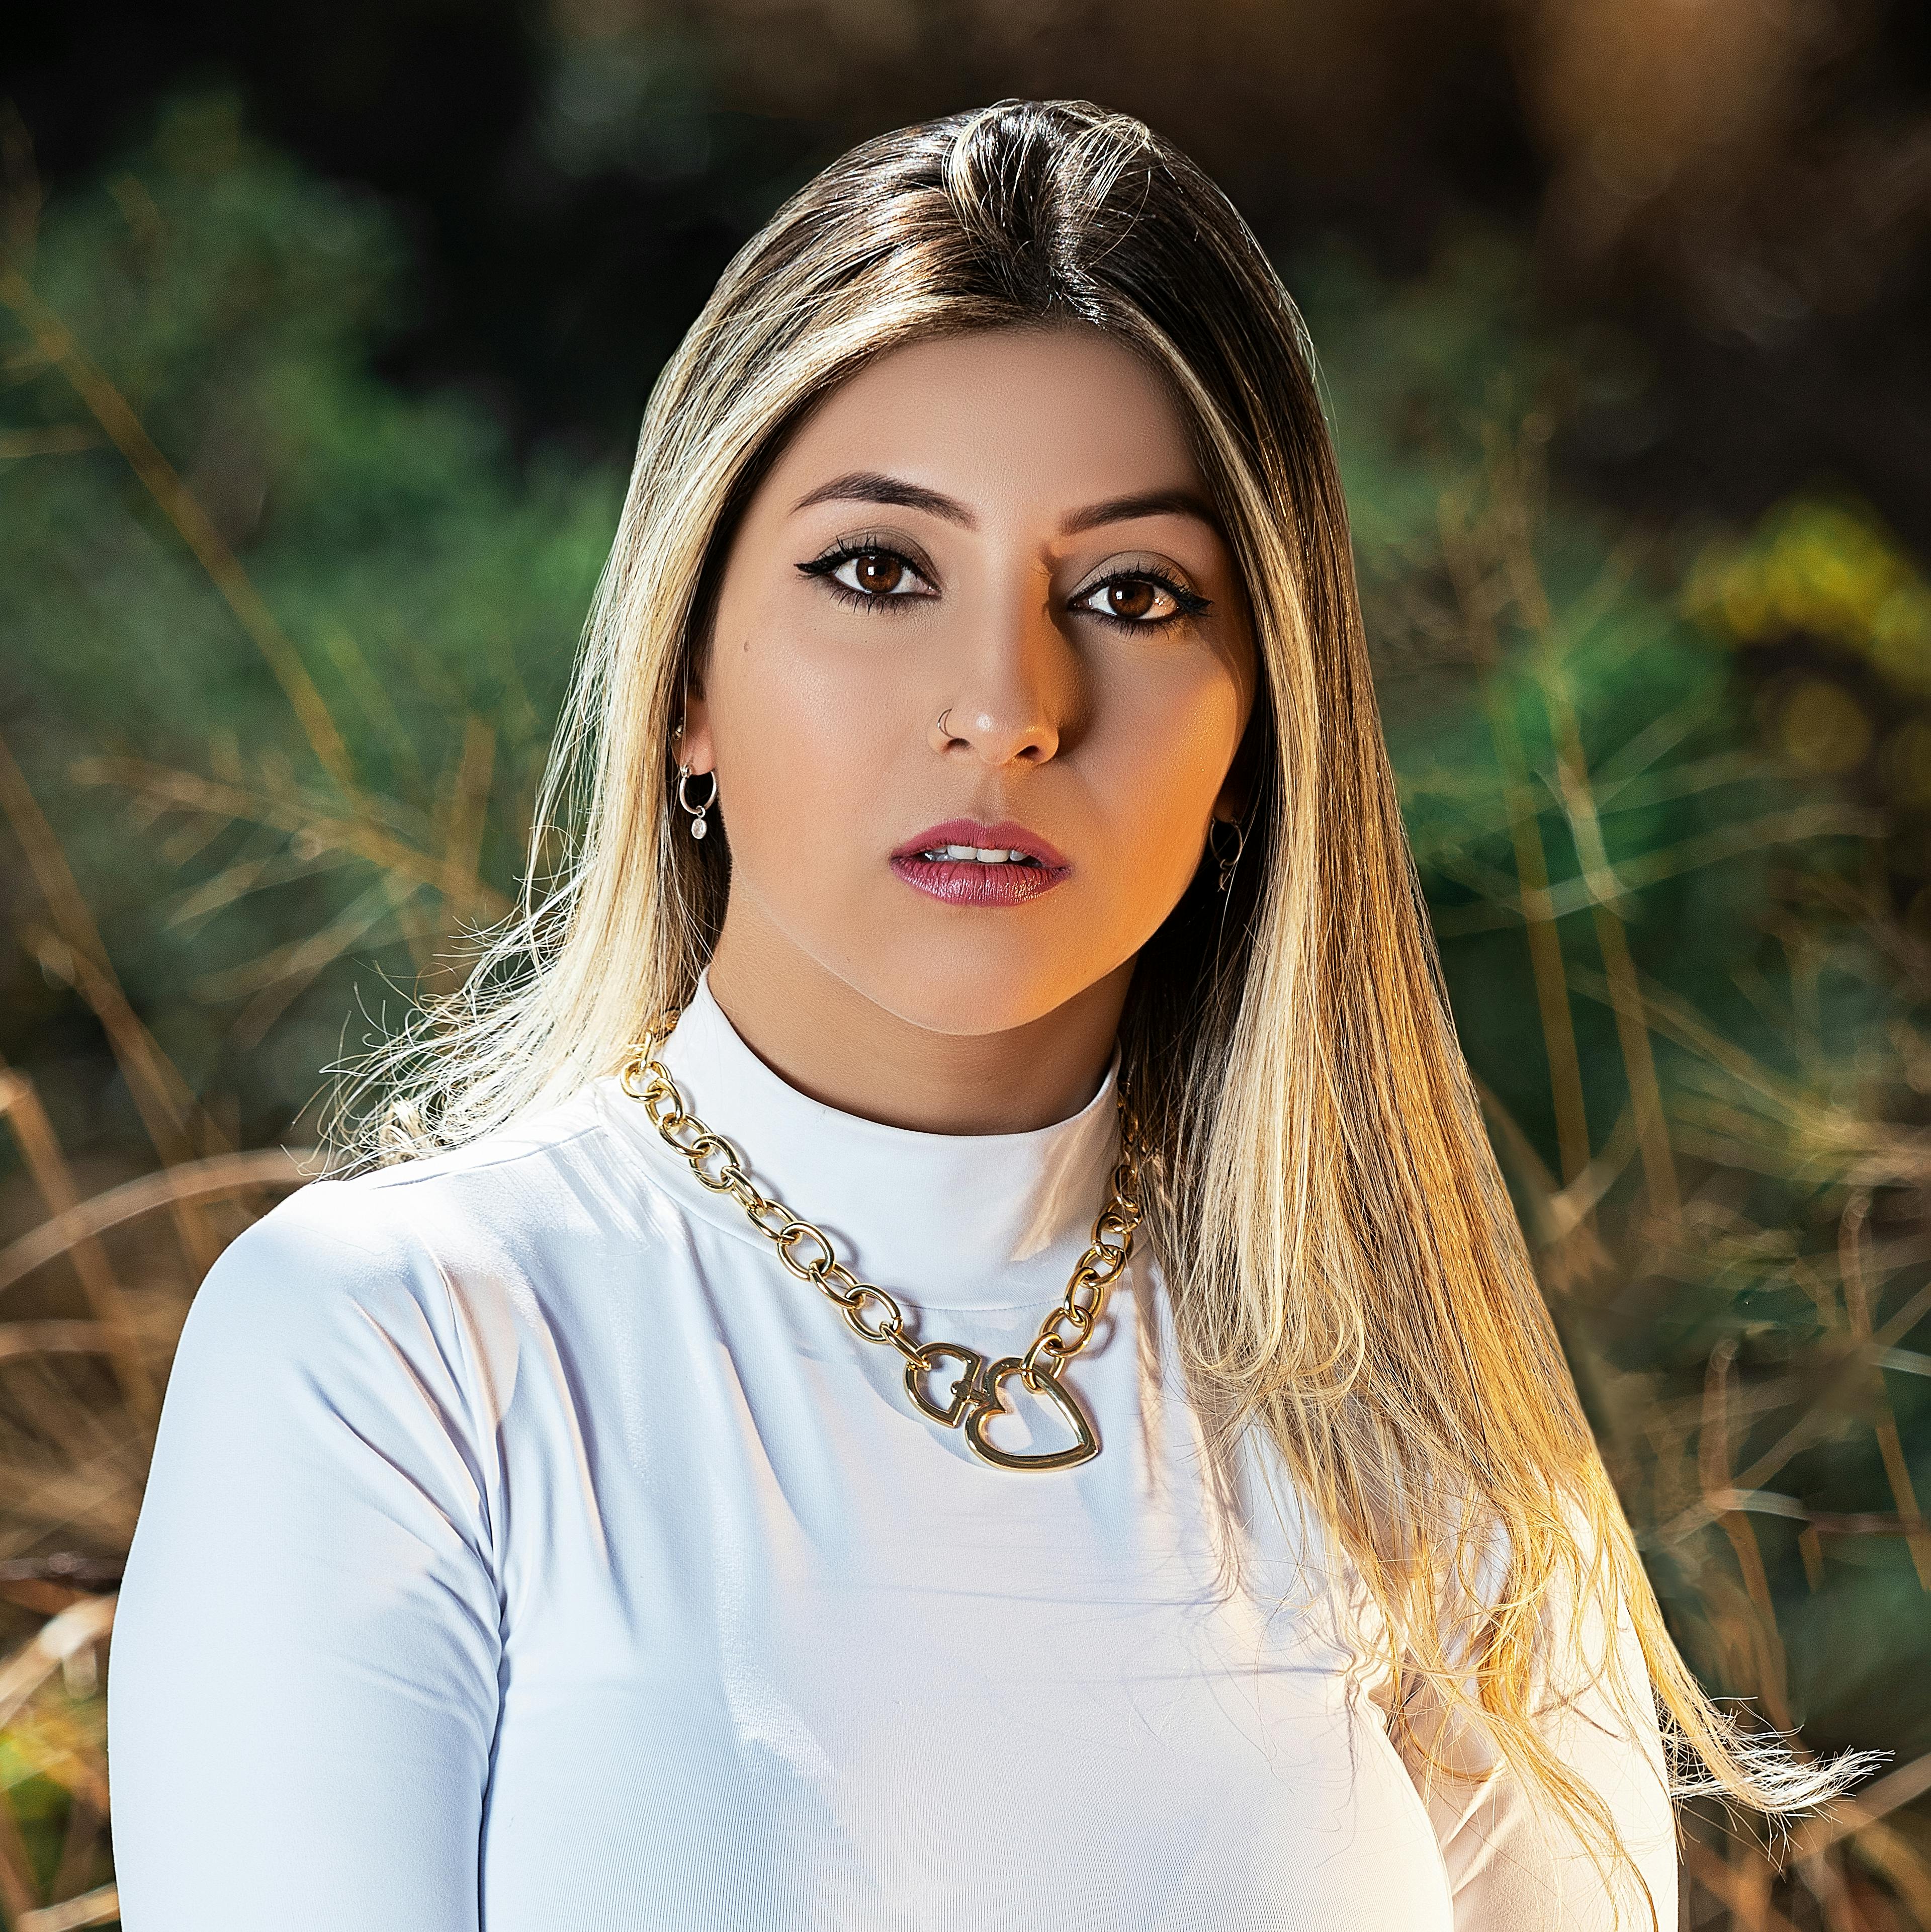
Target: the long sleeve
(303, 1682)
(1513, 1864)
(521, 1545)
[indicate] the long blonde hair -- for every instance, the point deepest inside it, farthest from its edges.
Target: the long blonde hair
(1346, 1270)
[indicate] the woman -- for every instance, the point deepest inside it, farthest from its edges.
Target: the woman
(988, 919)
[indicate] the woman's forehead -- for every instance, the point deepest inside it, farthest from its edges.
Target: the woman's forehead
(1065, 415)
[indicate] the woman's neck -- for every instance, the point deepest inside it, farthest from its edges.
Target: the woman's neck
(823, 1036)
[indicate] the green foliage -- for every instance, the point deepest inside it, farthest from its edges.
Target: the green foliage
(1824, 569)
(1662, 858)
(425, 577)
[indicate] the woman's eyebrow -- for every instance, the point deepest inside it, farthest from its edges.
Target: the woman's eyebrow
(872, 486)
(1181, 502)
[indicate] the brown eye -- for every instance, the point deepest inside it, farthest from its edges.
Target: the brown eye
(878, 571)
(872, 576)
(1132, 600)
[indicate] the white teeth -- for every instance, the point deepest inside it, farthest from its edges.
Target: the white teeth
(984, 855)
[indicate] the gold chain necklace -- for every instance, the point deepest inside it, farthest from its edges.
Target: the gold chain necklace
(875, 1315)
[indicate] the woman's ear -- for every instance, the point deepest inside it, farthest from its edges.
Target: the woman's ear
(1236, 790)
(693, 747)
(692, 744)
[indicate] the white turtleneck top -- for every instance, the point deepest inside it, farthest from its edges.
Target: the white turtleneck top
(525, 1550)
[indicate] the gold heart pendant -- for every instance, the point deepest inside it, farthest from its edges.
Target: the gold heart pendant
(964, 1391)
(987, 1405)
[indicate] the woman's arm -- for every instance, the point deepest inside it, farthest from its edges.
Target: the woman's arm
(302, 1683)
(1513, 1865)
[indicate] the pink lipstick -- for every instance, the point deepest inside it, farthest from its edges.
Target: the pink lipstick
(965, 862)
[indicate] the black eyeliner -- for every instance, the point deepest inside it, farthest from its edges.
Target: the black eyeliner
(842, 552)
(1190, 602)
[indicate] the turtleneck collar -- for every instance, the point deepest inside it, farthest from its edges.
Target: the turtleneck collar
(984, 1221)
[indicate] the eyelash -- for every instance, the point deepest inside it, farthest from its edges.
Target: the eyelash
(1190, 604)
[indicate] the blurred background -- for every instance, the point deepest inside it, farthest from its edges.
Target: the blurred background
(324, 333)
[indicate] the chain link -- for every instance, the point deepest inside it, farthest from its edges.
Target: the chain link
(870, 1312)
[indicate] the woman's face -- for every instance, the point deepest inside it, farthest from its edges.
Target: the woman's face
(980, 607)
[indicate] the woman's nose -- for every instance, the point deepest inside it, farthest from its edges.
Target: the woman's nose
(1011, 700)
(998, 737)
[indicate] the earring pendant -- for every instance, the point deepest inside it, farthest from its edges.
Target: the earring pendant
(698, 826)
(1231, 860)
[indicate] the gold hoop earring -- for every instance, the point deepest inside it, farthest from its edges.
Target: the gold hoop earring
(1230, 860)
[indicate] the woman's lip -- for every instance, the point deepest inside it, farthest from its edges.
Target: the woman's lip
(967, 882)
(1006, 835)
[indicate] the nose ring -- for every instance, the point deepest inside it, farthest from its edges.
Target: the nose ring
(943, 716)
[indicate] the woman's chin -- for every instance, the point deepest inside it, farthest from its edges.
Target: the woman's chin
(966, 990)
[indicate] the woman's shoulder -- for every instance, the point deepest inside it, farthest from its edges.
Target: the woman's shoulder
(512, 1206)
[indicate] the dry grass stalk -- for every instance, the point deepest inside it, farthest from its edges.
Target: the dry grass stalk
(111, 409)
(221, 1177)
(35, 1134)
(19, 1894)
(53, 1648)
(74, 952)
(1677, 1466)
(1858, 1300)
(467, 811)
(371, 835)
(1659, 1160)
(1743, 1887)
(101, 1907)
(1461, 551)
